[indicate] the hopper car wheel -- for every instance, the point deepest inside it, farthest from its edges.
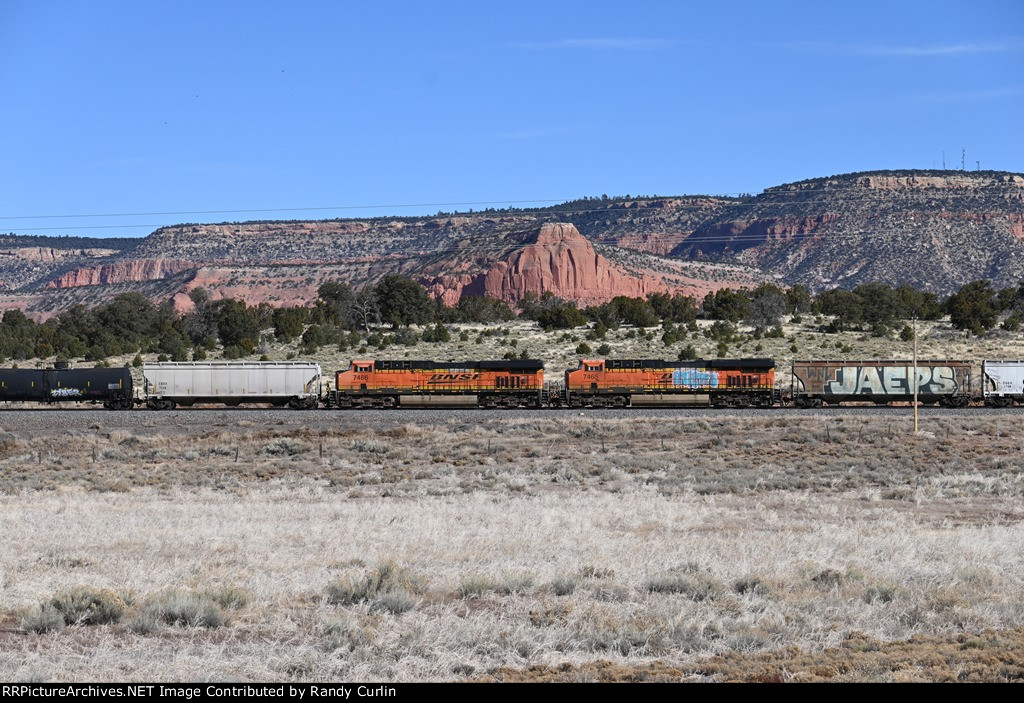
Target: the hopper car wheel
(999, 402)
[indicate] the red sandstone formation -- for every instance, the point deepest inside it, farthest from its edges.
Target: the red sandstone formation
(130, 271)
(555, 258)
(744, 234)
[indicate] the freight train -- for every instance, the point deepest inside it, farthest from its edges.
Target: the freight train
(595, 383)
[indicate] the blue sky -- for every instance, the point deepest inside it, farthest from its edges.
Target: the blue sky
(153, 107)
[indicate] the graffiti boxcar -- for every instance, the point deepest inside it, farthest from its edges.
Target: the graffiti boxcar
(831, 382)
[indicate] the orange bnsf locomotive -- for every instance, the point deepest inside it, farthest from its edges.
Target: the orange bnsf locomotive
(403, 383)
(719, 383)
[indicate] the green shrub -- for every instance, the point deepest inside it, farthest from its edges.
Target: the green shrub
(144, 623)
(43, 619)
(385, 578)
(285, 447)
(83, 605)
(696, 587)
(347, 635)
(182, 608)
(687, 353)
(884, 593)
(563, 585)
(753, 585)
(476, 585)
(829, 578)
(514, 585)
(395, 601)
(227, 597)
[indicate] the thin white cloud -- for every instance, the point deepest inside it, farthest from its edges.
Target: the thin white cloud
(942, 50)
(600, 44)
(910, 51)
(970, 96)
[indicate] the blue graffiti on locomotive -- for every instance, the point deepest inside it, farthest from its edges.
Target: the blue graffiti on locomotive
(694, 378)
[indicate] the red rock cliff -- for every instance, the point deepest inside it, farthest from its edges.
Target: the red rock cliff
(121, 272)
(555, 258)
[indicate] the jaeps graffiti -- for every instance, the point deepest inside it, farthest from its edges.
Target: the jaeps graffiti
(891, 380)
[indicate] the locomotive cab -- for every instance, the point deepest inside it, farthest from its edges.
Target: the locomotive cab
(588, 374)
(358, 376)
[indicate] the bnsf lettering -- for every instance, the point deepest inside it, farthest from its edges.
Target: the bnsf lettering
(453, 377)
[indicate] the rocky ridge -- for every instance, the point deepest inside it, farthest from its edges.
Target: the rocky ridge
(933, 229)
(553, 258)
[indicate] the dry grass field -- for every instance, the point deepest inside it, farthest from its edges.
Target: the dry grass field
(788, 546)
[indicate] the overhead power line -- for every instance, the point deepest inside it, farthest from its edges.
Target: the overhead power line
(473, 245)
(525, 212)
(279, 209)
(767, 197)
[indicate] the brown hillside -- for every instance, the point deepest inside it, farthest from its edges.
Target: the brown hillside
(933, 230)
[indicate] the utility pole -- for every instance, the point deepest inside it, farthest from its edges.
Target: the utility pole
(963, 158)
(915, 374)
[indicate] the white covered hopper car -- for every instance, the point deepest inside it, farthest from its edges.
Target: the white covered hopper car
(170, 384)
(1003, 383)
